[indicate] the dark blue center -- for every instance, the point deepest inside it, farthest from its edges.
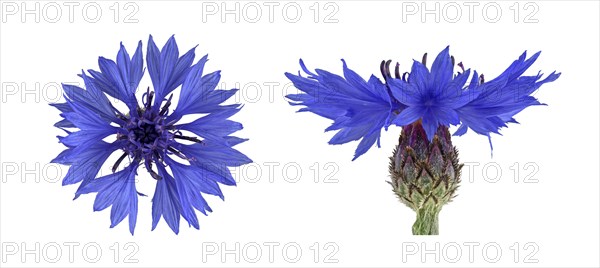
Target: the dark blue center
(149, 137)
(146, 133)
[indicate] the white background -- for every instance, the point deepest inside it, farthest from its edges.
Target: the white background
(554, 219)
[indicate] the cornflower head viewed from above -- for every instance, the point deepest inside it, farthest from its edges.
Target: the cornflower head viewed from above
(425, 102)
(184, 165)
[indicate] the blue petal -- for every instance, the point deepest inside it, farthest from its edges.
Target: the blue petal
(198, 94)
(420, 78)
(339, 85)
(315, 98)
(359, 109)
(500, 99)
(168, 59)
(190, 183)
(123, 65)
(114, 84)
(454, 95)
(93, 128)
(193, 93)
(131, 70)
(200, 180)
(63, 157)
(85, 118)
(116, 190)
(233, 141)
(64, 124)
(309, 86)
(214, 125)
(91, 98)
(430, 124)
(446, 116)
(136, 71)
(405, 93)
(153, 63)
(165, 202)
(63, 107)
(167, 70)
(461, 130)
(215, 152)
(359, 83)
(442, 69)
(379, 88)
(346, 135)
(182, 68)
(408, 116)
(86, 162)
(84, 137)
(518, 67)
(366, 143)
(111, 72)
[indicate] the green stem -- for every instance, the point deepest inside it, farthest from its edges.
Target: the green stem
(427, 221)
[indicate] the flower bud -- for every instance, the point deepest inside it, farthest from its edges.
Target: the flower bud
(425, 174)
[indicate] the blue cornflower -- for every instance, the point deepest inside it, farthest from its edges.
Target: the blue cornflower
(433, 97)
(149, 134)
(424, 167)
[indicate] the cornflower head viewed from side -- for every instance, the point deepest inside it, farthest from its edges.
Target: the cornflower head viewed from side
(425, 102)
(148, 133)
